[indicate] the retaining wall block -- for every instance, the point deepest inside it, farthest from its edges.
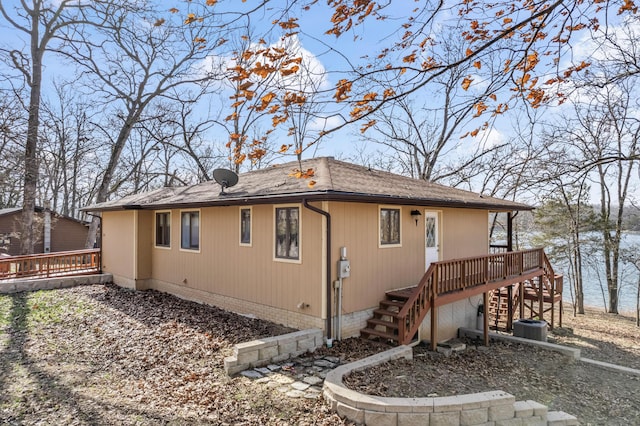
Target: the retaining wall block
(560, 418)
(523, 409)
(501, 412)
(268, 353)
(230, 361)
(534, 421)
(353, 414)
(476, 416)
(413, 419)
(247, 357)
(515, 421)
(538, 409)
(236, 369)
(444, 419)
(403, 405)
(306, 344)
(296, 354)
(332, 403)
(376, 418)
(280, 358)
(287, 347)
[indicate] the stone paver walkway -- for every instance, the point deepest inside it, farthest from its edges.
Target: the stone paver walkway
(297, 378)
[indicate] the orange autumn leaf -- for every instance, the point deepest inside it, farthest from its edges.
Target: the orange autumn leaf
(480, 107)
(211, 2)
(174, 10)
(159, 22)
(475, 132)
(466, 83)
(311, 183)
(477, 64)
(493, 97)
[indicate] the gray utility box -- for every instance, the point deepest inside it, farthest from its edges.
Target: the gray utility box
(530, 329)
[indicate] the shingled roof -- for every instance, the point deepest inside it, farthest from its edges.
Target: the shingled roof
(335, 181)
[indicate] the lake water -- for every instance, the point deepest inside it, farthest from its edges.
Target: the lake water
(594, 280)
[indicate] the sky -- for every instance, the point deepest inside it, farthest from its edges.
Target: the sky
(322, 51)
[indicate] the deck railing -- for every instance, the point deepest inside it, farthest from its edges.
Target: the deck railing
(50, 264)
(460, 274)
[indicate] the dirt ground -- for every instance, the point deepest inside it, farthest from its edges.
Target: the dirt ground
(595, 396)
(105, 355)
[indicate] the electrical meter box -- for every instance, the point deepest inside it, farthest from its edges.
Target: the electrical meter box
(344, 268)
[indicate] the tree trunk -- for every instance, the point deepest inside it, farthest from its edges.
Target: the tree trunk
(31, 146)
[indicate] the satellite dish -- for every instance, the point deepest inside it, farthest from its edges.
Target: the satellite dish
(226, 178)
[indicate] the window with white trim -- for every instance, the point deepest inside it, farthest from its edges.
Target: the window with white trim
(245, 226)
(287, 233)
(163, 229)
(190, 230)
(389, 227)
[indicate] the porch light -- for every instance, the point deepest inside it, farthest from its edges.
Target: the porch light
(415, 214)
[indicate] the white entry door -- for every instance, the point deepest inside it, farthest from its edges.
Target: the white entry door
(432, 237)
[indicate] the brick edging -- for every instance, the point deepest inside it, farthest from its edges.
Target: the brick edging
(261, 352)
(471, 409)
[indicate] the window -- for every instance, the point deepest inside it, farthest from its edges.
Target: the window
(288, 233)
(389, 227)
(163, 229)
(190, 230)
(245, 227)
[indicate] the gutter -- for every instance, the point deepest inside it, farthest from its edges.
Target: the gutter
(328, 283)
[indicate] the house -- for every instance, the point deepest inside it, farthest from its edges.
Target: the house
(54, 232)
(276, 247)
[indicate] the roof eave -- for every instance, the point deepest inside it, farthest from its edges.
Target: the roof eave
(320, 196)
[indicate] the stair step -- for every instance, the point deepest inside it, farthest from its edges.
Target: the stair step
(371, 332)
(375, 321)
(403, 294)
(389, 303)
(384, 312)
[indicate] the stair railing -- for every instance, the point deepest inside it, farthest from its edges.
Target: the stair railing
(417, 306)
(459, 274)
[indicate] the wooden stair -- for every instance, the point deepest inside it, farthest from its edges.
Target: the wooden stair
(499, 318)
(384, 323)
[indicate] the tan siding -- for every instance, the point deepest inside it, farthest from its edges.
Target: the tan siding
(118, 243)
(465, 233)
(375, 270)
(223, 266)
(143, 244)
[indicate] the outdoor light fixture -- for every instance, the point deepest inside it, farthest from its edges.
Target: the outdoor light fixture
(415, 214)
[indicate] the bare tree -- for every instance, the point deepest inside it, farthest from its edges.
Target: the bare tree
(41, 22)
(132, 62)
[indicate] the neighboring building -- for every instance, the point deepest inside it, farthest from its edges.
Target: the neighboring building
(270, 245)
(54, 232)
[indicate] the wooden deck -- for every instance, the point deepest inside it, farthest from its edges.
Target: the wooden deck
(402, 311)
(64, 263)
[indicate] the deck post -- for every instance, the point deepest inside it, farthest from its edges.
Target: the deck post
(509, 231)
(510, 308)
(485, 326)
(434, 328)
(540, 298)
(521, 297)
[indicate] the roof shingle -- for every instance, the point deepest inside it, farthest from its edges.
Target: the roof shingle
(335, 180)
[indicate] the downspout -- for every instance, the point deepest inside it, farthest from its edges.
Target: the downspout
(328, 237)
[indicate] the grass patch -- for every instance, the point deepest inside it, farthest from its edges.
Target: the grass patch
(48, 307)
(5, 310)
(41, 308)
